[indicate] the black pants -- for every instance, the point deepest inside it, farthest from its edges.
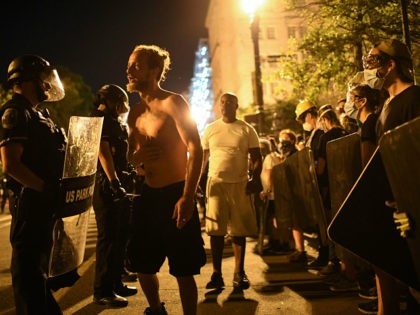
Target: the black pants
(31, 239)
(112, 224)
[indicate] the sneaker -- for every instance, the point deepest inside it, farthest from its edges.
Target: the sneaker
(369, 307)
(369, 294)
(344, 285)
(216, 281)
(330, 269)
(162, 311)
(240, 281)
(298, 257)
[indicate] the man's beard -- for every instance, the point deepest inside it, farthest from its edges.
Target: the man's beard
(137, 86)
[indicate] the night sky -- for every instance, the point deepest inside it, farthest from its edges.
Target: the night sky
(95, 38)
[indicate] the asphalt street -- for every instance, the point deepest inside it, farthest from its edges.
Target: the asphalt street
(277, 287)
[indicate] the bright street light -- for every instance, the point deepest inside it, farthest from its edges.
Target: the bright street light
(251, 8)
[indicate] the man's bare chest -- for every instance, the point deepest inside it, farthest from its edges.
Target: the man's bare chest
(151, 124)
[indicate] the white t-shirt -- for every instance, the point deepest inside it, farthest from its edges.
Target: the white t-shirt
(229, 144)
(270, 161)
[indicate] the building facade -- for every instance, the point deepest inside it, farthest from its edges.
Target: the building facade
(232, 54)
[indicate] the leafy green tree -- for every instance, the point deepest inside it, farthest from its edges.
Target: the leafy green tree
(338, 33)
(77, 101)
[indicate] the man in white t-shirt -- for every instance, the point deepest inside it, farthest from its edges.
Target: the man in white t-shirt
(233, 148)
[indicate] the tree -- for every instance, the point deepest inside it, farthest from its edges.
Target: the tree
(338, 34)
(78, 100)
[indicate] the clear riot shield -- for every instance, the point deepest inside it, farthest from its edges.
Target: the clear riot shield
(296, 192)
(70, 229)
(344, 167)
(400, 151)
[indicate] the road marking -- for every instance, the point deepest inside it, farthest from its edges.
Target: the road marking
(6, 218)
(5, 225)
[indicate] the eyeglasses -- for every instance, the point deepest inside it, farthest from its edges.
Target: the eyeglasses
(371, 61)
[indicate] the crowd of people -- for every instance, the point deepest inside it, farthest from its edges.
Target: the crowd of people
(380, 99)
(161, 145)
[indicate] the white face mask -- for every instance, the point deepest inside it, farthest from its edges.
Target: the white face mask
(351, 110)
(372, 79)
(307, 126)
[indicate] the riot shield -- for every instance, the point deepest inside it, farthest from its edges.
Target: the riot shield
(297, 198)
(400, 151)
(344, 167)
(365, 226)
(70, 229)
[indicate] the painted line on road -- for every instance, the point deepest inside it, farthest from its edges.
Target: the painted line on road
(81, 271)
(80, 305)
(5, 225)
(6, 218)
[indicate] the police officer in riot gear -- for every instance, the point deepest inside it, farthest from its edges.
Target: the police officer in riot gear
(32, 152)
(110, 201)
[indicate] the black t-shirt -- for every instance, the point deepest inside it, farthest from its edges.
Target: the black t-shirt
(332, 134)
(402, 108)
(313, 142)
(367, 131)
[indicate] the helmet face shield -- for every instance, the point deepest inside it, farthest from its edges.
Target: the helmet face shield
(52, 85)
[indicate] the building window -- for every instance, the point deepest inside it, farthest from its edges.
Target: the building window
(273, 61)
(271, 32)
(291, 31)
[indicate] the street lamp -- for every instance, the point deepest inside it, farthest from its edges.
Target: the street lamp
(251, 8)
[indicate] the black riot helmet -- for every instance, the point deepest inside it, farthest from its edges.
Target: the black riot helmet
(26, 68)
(112, 95)
(35, 68)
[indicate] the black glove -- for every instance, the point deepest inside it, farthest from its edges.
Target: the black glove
(119, 195)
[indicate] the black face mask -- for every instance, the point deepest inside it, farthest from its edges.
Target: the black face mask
(286, 147)
(40, 93)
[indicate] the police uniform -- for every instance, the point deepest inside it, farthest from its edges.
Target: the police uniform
(32, 212)
(111, 218)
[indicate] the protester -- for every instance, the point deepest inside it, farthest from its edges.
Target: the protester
(287, 147)
(278, 236)
(389, 65)
(32, 150)
(165, 223)
(307, 115)
(228, 141)
(332, 130)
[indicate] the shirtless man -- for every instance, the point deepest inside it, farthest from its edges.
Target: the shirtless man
(164, 139)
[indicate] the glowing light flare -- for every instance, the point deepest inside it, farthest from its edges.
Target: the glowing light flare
(251, 6)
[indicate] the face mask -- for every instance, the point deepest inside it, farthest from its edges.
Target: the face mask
(351, 110)
(307, 126)
(372, 79)
(286, 147)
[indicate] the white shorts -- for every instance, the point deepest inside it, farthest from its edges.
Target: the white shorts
(228, 206)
